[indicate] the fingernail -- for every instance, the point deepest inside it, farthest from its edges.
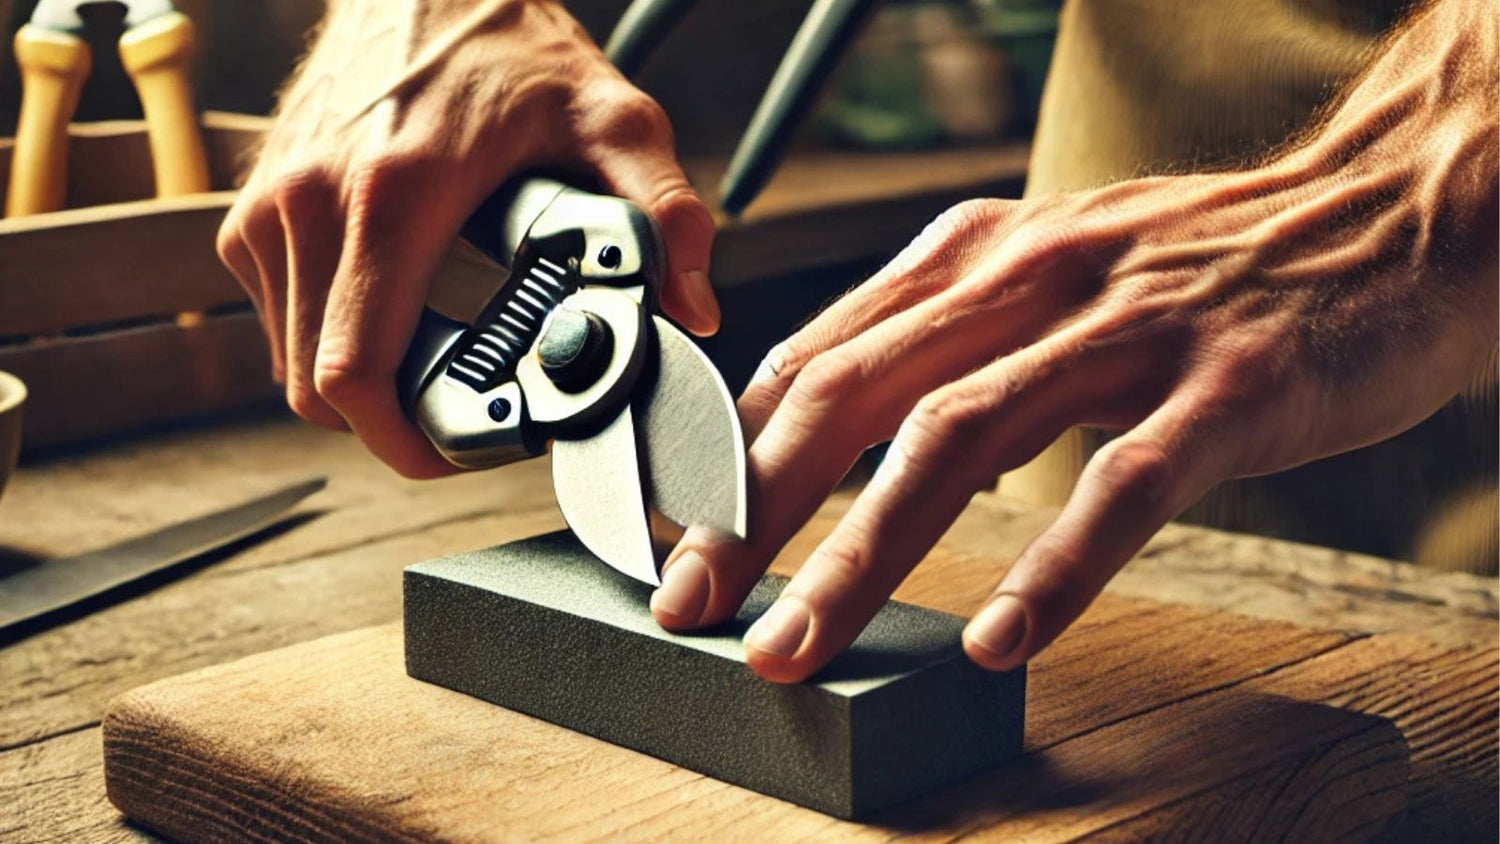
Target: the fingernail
(700, 296)
(683, 593)
(781, 630)
(1000, 626)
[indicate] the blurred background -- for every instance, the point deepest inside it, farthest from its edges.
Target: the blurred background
(926, 73)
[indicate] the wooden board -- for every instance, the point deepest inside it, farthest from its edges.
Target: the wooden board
(338, 570)
(87, 387)
(330, 740)
(97, 267)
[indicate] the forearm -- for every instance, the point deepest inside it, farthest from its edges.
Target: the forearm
(1419, 125)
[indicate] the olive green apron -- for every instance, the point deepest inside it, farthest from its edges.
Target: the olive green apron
(1159, 86)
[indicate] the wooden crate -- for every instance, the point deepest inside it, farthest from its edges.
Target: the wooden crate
(90, 297)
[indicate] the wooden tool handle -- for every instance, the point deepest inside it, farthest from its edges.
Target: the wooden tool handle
(158, 55)
(53, 67)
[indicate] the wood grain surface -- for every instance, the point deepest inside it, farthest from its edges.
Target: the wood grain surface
(339, 570)
(330, 740)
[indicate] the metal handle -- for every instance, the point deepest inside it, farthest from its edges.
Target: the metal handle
(461, 383)
(821, 41)
(430, 348)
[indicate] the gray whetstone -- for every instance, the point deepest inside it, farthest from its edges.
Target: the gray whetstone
(542, 627)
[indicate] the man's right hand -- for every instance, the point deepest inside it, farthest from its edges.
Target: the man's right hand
(403, 119)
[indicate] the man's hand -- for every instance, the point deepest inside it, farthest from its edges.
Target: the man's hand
(1231, 324)
(404, 118)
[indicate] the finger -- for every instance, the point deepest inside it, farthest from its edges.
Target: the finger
(631, 149)
(378, 292)
(838, 405)
(235, 255)
(953, 444)
(312, 216)
(260, 231)
(687, 230)
(943, 252)
(1129, 489)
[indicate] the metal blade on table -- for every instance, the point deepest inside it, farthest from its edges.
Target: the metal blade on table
(695, 450)
(53, 585)
(598, 485)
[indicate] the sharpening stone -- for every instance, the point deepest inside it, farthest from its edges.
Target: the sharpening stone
(542, 627)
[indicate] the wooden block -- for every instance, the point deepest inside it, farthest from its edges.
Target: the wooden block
(542, 627)
(331, 740)
(100, 267)
(88, 387)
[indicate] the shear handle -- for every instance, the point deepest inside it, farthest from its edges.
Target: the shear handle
(431, 348)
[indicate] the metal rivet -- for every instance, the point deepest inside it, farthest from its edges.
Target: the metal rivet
(499, 410)
(610, 257)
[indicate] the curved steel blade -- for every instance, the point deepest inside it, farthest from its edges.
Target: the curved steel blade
(695, 451)
(598, 485)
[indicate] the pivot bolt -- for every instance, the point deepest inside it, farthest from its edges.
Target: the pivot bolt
(610, 257)
(499, 410)
(575, 349)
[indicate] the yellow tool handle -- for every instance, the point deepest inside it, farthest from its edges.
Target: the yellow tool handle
(158, 55)
(54, 66)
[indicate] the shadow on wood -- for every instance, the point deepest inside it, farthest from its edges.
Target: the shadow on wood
(1236, 765)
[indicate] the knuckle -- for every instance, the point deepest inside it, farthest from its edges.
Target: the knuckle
(961, 218)
(382, 188)
(844, 563)
(828, 379)
(341, 377)
(773, 378)
(944, 245)
(304, 191)
(306, 403)
(1138, 470)
(631, 120)
(955, 226)
(253, 212)
(678, 208)
(228, 243)
(941, 424)
(384, 176)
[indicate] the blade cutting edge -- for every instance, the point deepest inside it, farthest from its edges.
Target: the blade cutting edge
(695, 450)
(598, 486)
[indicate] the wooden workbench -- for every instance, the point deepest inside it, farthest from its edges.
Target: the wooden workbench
(337, 570)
